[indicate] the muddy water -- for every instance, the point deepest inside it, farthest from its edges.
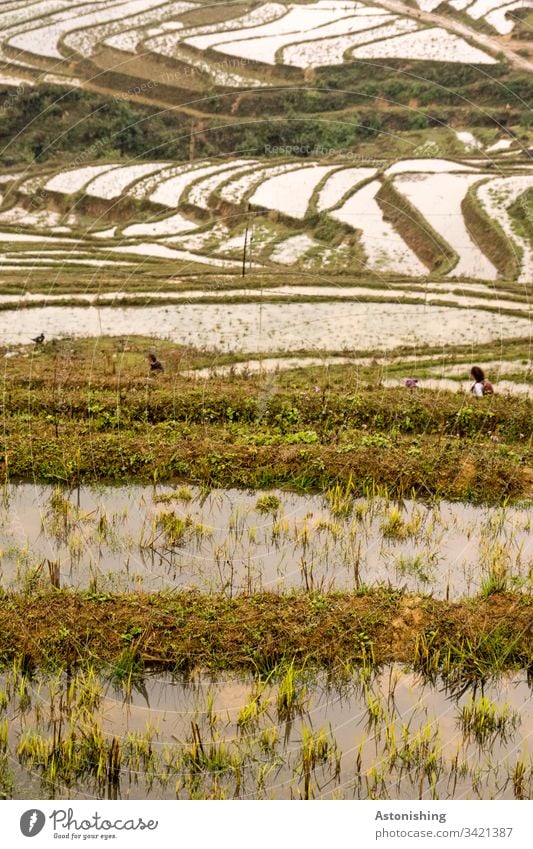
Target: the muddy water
(389, 735)
(270, 327)
(114, 539)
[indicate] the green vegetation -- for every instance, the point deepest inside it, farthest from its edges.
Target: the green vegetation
(59, 735)
(49, 124)
(92, 416)
(522, 214)
(343, 109)
(79, 711)
(484, 720)
(268, 504)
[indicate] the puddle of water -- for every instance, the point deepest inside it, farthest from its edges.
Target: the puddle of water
(292, 249)
(497, 196)
(112, 183)
(339, 184)
(501, 144)
(469, 140)
(433, 44)
(268, 364)
(152, 249)
(72, 181)
(432, 165)
(495, 368)
(382, 735)
(290, 197)
(232, 541)
(168, 192)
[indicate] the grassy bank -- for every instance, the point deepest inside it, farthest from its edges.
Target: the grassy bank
(88, 411)
(461, 470)
(185, 631)
(488, 234)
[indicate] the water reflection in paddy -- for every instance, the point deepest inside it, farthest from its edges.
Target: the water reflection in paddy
(387, 734)
(234, 541)
(258, 327)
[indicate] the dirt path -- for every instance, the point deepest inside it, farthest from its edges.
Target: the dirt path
(155, 103)
(492, 44)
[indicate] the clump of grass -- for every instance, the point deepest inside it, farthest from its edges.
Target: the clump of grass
(316, 748)
(497, 558)
(4, 726)
(268, 739)
(422, 750)
(376, 710)
(395, 527)
(482, 719)
(519, 778)
(126, 668)
(494, 582)
(6, 778)
(175, 529)
(139, 750)
(340, 499)
(215, 756)
(59, 514)
(76, 750)
(268, 504)
(183, 493)
(291, 693)
(415, 566)
(253, 710)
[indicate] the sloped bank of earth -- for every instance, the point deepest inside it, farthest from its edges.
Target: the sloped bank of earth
(186, 631)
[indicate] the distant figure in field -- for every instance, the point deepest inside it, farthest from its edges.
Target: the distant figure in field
(481, 385)
(38, 339)
(155, 364)
(411, 382)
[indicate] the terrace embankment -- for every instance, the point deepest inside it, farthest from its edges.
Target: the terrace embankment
(186, 631)
(428, 245)
(85, 412)
(489, 236)
(423, 466)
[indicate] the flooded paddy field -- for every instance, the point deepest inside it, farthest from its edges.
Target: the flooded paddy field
(234, 542)
(269, 327)
(169, 641)
(288, 733)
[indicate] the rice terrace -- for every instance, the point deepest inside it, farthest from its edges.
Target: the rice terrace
(266, 455)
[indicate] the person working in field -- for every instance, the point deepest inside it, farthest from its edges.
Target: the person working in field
(155, 364)
(481, 386)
